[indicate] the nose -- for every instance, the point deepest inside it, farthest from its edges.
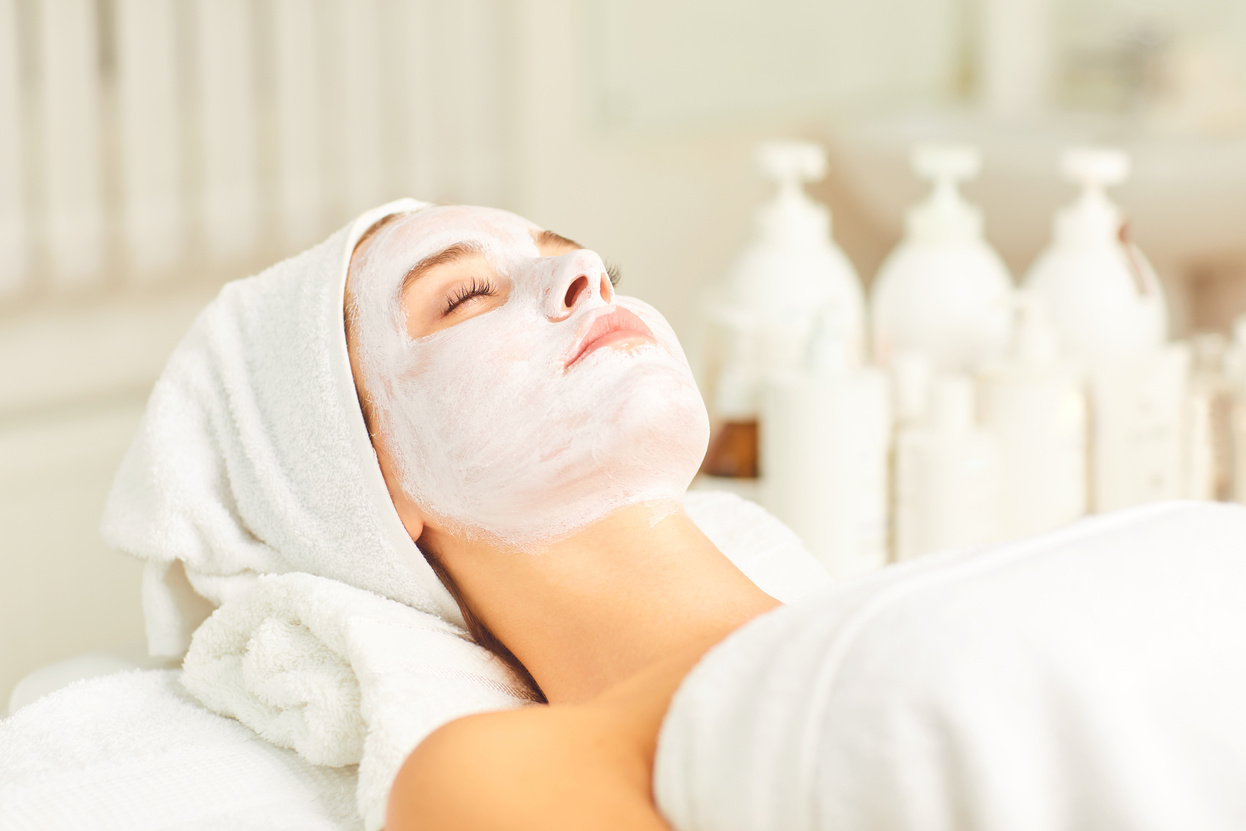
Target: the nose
(579, 279)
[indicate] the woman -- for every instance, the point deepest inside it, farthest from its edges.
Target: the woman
(536, 433)
(461, 378)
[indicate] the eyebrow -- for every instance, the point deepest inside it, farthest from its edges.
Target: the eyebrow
(550, 238)
(454, 253)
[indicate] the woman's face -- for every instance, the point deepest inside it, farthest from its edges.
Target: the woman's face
(514, 394)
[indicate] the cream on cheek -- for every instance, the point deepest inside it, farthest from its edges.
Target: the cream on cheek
(490, 434)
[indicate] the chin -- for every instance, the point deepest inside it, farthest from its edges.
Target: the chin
(660, 436)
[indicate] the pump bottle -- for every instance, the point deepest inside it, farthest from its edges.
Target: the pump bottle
(943, 292)
(789, 272)
(1102, 295)
(947, 474)
(1108, 311)
(825, 438)
(1035, 406)
(792, 272)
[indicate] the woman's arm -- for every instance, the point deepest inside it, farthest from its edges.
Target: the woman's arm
(540, 768)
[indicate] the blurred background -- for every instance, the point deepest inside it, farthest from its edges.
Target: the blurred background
(152, 149)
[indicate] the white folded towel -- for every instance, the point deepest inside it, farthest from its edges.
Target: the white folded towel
(342, 676)
(252, 456)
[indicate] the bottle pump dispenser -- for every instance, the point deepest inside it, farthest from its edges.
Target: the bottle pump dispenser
(943, 292)
(1108, 310)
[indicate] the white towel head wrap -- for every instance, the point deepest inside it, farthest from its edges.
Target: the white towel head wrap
(253, 458)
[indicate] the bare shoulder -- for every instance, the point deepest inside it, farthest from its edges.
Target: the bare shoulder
(545, 767)
(540, 767)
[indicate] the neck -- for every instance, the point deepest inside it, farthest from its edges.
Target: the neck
(586, 612)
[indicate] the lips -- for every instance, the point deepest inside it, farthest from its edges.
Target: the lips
(615, 326)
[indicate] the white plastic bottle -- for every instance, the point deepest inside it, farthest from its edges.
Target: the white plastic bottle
(947, 474)
(1109, 313)
(1035, 406)
(1236, 369)
(910, 377)
(1137, 428)
(943, 291)
(792, 272)
(1209, 420)
(825, 441)
(1102, 295)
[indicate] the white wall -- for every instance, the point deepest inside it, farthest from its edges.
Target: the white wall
(75, 382)
(667, 192)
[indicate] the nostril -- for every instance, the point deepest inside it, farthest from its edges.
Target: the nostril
(607, 288)
(578, 286)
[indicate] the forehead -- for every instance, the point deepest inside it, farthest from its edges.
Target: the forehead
(419, 234)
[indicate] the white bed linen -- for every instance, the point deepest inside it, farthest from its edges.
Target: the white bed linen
(133, 751)
(1090, 678)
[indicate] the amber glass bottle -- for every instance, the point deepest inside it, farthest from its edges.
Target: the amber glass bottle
(732, 452)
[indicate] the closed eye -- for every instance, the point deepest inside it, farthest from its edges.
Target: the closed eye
(469, 291)
(612, 271)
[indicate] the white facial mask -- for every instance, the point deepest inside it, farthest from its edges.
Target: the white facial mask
(490, 430)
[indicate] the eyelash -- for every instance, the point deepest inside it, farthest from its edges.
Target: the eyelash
(477, 288)
(486, 289)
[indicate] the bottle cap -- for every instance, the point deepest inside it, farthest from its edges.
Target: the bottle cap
(945, 216)
(910, 381)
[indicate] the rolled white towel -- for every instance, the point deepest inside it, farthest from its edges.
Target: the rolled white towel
(342, 676)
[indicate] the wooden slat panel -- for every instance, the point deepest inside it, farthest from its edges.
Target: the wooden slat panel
(298, 121)
(475, 100)
(150, 137)
(226, 85)
(410, 67)
(14, 257)
(357, 23)
(72, 186)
